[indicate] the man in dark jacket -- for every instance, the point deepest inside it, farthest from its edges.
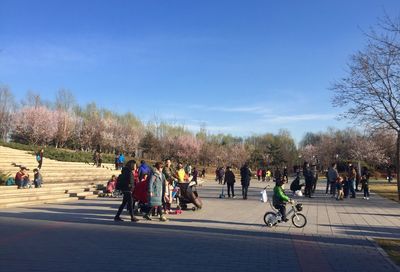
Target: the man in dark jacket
(245, 177)
(309, 179)
(126, 183)
(230, 181)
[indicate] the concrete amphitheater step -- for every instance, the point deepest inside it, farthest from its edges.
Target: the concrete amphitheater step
(38, 202)
(27, 198)
(63, 181)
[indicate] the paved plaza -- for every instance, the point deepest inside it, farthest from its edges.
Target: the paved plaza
(227, 235)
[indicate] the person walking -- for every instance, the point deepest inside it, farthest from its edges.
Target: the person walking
(221, 173)
(389, 176)
(230, 180)
(285, 173)
(245, 177)
(195, 174)
(168, 172)
(203, 173)
(308, 176)
(121, 160)
(277, 174)
(263, 174)
(364, 181)
(314, 172)
(351, 180)
(126, 183)
(156, 190)
(259, 173)
(39, 158)
(331, 179)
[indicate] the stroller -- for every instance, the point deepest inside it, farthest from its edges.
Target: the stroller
(140, 196)
(188, 195)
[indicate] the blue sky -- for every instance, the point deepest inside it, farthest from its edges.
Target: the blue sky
(239, 67)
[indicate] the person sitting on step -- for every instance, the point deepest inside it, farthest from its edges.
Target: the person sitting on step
(22, 177)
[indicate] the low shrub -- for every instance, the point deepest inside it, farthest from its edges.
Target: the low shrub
(61, 154)
(4, 177)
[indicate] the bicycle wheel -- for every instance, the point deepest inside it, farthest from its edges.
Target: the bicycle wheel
(270, 219)
(299, 220)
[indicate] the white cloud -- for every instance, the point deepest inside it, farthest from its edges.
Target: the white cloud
(298, 117)
(238, 109)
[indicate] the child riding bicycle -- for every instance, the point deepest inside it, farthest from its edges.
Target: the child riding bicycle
(280, 199)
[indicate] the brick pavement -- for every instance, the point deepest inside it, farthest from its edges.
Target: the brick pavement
(227, 235)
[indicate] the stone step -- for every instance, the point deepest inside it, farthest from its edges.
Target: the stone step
(81, 194)
(45, 191)
(88, 197)
(57, 168)
(38, 202)
(18, 199)
(64, 185)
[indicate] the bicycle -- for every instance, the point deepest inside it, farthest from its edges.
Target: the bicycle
(298, 219)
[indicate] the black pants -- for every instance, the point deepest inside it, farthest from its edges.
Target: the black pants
(126, 201)
(245, 188)
(282, 210)
(314, 185)
(153, 209)
(230, 187)
(366, 190)
(40, 164)
(308, 189)
(327, 186)
(333, 188)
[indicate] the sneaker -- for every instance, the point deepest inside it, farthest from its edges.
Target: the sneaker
(118, 219)
(364, 197)
(147, 217)
(134, 219)
(367, 198)
(163, 219)
(285, 220)
(233, 196)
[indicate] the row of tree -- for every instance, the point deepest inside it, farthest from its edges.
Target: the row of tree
(65, 124)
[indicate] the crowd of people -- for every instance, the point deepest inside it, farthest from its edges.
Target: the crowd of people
(160, 186)
(346, 185)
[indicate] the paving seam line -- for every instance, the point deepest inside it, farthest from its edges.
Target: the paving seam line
(383, 253)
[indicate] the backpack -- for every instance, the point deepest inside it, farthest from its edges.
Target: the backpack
(10, 181)
(38, 158)
(119, 183)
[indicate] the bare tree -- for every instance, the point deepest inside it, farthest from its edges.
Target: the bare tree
(370, 92)
(65, 100)
(7, 106)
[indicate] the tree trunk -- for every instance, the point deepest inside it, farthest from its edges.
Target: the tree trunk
(398, 164)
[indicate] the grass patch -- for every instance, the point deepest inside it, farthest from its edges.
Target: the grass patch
(385, 189)
(391, 247)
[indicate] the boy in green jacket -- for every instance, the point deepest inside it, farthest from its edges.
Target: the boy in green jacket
(280, 199)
